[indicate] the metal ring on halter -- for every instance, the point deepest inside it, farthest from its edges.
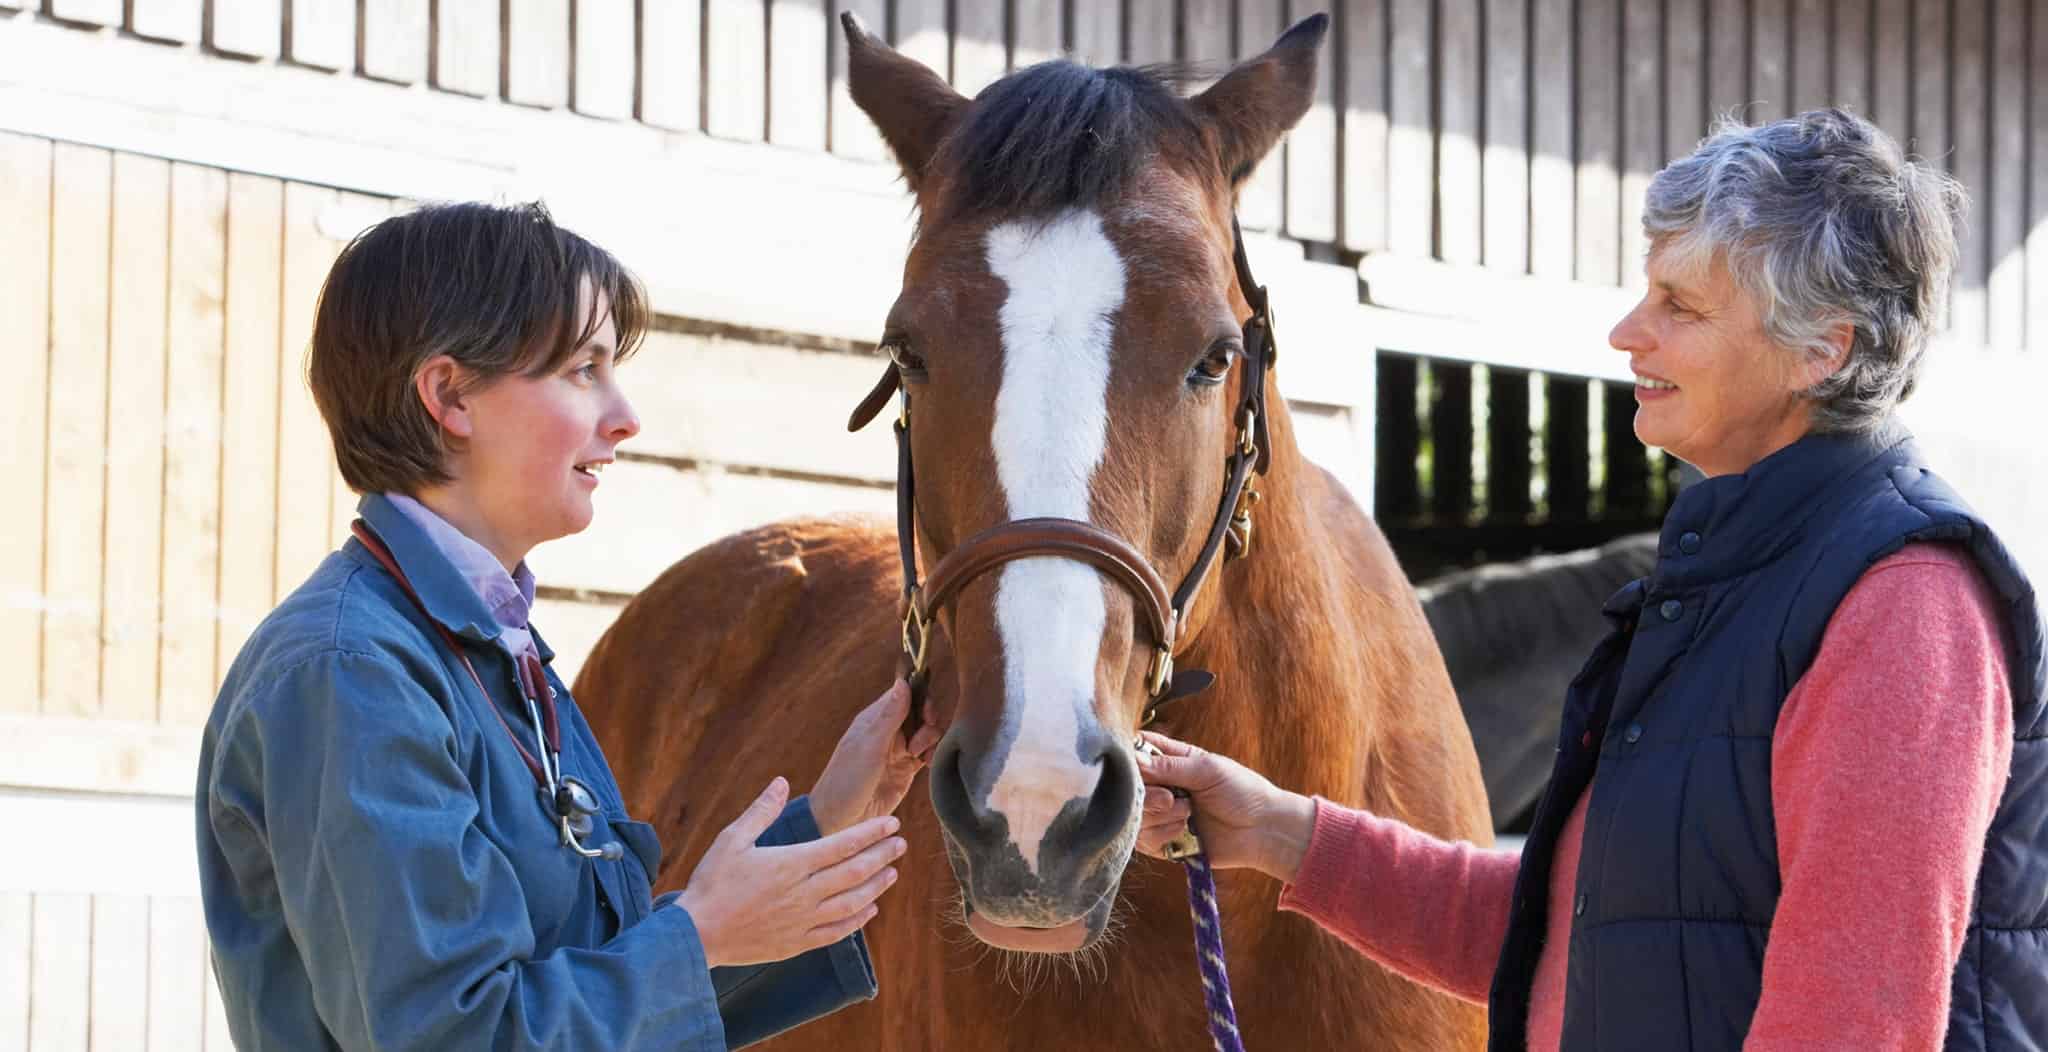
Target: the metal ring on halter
(1185, 846)
(1160, 675)
(916, 651)
(1247, 443)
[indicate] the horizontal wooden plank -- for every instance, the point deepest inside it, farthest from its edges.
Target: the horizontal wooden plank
(572, 627)
(100, 755)
(92, 844)
(650, 515)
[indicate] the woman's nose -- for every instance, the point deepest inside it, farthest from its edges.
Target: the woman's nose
(1629, 335)
(622, 422)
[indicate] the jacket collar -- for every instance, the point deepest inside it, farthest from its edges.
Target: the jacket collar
(444, 592)
(1726, 526)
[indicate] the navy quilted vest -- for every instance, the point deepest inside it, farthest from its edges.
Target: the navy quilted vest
(1678, 878)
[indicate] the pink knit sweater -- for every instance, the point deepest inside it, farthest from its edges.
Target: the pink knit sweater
(1888, 762)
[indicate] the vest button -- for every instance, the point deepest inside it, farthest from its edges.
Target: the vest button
(1633, 734)
(1579, 905)
(1671, 609)
(1689, 543)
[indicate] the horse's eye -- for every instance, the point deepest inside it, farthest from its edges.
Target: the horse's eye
(1214, 366)
(908, 362)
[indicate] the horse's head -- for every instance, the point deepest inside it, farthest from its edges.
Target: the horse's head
(1067, 331)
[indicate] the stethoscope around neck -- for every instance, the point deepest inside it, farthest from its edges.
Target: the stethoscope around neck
(572, 802)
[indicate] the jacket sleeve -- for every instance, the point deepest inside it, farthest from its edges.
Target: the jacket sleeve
(341, 797)
(760, 1001)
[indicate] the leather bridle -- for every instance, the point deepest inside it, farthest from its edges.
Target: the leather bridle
(1163, 613)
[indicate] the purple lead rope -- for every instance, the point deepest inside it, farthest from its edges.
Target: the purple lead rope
(1209, 952)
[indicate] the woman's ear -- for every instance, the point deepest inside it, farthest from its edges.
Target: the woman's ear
(438, 383)
(1816, 369)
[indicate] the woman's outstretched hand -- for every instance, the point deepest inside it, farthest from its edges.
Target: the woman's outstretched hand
(872, 767)
(1246, 821)
(752, 905)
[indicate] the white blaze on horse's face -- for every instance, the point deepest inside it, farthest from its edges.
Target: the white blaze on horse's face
(1065, 283)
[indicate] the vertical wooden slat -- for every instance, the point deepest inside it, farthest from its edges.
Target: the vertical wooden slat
(394, 40)
(1507, 445)
(120, 973)
(1151, 31)
(177, 990)
(1411, 155)
(1098, 32)
(2037, 195)
(88, 12)
(1628, 464)
(1397, 489)
(672, 64)
(1598, 220)
(1550, 160)
(251, 28)
(1506, 242)
(735, 69)
(304, 456)
(249, 410)
(1770, 55)
(1205, 34)
(853, 135)
(1450, 431)
(1930, 80)
(1728, 89)
(323, 34)
(602, 83)
(1851, 57)
(2006, 170)
(1259, 23)
(129, 637)
(16, 935)
(1811, 76)
(466, 46)
(1685, 76)
(1566, 454)
(178, 21)
(1366, 125)
(60, 973)
(537, 52)
(1459, 80)
(921, 34)
(797, 94)
(75, 512)
(1311, 199)
(1039, 30)
(981, 54)
(1972, 111)
(1642, 132)
(25, 348)
(192, 452)
(1891, 32)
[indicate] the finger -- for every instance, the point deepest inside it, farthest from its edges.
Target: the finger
(854, 839)
(856, 899)
(827, 934)
(834, 879)
(1169, 746)
(1162, 806)
(1195, 771)
(893, 707)
(921, 743)
(760, 814)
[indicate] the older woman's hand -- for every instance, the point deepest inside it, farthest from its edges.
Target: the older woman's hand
(1246, 821)
(873, 765)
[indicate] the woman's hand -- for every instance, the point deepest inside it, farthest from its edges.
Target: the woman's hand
(873, 765)
(753, 904)
(1247, 822)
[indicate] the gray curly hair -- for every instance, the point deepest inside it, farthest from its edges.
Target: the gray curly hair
(1822, 219)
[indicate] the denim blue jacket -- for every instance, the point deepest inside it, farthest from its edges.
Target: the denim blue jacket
(380, 871)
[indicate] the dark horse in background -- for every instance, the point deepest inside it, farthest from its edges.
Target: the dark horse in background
(1513, 635)
(1071, 331)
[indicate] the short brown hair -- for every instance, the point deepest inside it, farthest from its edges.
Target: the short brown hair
(496, 288)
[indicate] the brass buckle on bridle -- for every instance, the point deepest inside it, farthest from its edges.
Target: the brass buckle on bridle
(1160, 675)
(919, 651)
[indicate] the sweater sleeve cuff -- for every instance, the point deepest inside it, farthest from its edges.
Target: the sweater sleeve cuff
(1323, 883)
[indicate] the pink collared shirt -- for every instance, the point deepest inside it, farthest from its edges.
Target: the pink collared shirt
(508, 596)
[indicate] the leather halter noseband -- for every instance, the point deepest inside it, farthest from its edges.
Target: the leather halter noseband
(1161, 612)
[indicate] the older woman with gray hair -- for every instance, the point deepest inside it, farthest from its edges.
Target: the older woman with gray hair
(1800, 797)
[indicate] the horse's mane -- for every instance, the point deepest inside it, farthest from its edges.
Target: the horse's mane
(1060, 135)
(1497, 617)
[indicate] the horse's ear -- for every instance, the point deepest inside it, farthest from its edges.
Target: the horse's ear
(1259, 101)
(913, 107)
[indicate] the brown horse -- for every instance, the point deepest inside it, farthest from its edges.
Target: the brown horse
(1070, 328)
